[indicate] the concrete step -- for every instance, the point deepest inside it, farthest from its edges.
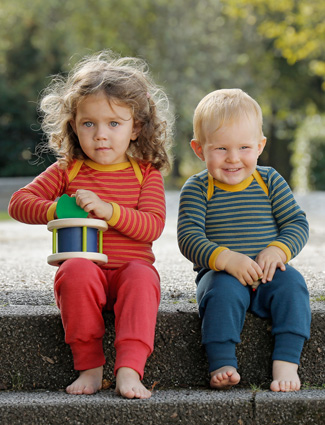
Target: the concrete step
(190, 407)
(34, 356)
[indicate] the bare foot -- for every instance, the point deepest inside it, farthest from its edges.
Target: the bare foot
(129, 385)
(224, 378)
(285, 376)
(89, 382)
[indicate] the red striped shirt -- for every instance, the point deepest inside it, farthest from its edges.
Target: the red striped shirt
(139, 208)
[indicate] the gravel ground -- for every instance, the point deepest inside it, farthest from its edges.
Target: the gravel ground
(26, 278)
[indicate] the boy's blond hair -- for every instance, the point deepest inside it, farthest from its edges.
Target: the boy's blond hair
(223, 107)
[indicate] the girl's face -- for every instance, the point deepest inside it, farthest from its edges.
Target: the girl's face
(104, 129)
(231, 152)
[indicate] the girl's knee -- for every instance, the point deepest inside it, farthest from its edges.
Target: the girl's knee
(76, 273)
(76, 267)
(138, 276)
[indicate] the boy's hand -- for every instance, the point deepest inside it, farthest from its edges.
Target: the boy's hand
(246, 270)
(269, 260)
(91, 203)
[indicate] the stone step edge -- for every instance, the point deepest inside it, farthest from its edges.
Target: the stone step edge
(191, 406)
(176, 306)
(33, 351)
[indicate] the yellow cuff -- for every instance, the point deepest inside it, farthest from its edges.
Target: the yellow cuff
(51, 211)
(214, 256)
(284, 248)
(116, 215)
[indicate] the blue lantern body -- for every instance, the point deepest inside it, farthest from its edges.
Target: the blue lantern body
(77, 238)
(70, 239)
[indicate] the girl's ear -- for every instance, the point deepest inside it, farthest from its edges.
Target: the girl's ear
(197, 148)
(73, 125)
(136, 130)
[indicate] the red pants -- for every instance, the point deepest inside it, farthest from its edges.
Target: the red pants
(83, 290)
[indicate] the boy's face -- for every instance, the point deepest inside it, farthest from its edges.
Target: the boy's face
(231, 152)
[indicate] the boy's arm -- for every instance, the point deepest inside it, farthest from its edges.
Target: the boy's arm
(35, 203)
(290, 218)
(197, 248)
(192, 240)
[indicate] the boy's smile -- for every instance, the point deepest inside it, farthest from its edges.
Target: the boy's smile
(104, 129)
(232, 151)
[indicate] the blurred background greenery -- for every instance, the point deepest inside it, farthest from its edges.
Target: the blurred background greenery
(273, 50)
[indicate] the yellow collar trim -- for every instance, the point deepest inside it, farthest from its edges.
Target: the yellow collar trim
(110, 167)
(234, 187)
(237, 187)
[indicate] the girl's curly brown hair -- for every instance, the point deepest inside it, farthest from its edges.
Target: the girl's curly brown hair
(124, 80)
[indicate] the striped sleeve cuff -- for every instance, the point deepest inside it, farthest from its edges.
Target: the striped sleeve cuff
(284, 248)
(51, 211)
(116, 215)
(214, 256)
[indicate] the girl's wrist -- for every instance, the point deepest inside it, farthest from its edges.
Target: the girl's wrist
(109, 212)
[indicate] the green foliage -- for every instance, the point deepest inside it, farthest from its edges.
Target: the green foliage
(308, 156)
(296, 27)
(272, 50)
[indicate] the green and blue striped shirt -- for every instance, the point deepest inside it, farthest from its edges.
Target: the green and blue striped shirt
(245, 218)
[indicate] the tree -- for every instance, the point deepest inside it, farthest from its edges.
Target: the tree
(192, 48)
(296, 28)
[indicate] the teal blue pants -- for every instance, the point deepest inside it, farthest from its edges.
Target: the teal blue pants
(223, 303)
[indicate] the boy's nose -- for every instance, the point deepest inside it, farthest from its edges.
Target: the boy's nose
(232, 156)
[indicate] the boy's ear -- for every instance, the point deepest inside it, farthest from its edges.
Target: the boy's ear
(197, 148)
(261, 145)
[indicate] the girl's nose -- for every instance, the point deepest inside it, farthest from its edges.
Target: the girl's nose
(101, 133)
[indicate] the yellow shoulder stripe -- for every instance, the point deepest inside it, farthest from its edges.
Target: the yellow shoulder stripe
(137, 170)
(75, 169)
(210, 187)
(260, 181)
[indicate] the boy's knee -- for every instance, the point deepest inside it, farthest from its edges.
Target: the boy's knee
(220, 286)
(290, 281)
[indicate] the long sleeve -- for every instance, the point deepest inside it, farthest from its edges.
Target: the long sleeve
(291, 220)
(242, 219)
(147, 222)
(35, 203)
(191, 232)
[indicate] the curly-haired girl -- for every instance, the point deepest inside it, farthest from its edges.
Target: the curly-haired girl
(110, 128)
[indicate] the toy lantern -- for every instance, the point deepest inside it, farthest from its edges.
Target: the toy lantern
(74, 235)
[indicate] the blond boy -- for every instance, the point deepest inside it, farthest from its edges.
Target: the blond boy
(239, 223)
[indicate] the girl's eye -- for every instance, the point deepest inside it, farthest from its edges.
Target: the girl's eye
(114, 124)
(88, 124)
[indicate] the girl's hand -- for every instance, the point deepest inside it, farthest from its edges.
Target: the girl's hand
(270, 259)
(91, 203)
(246, 270)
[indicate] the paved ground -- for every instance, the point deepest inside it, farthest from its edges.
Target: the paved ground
(26, 278)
